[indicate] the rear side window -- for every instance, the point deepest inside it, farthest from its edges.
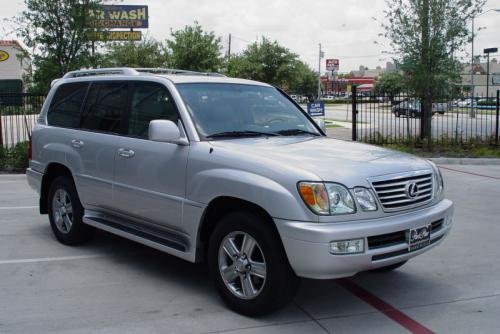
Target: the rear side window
(66, 105)
(150, 101)
(106, 103)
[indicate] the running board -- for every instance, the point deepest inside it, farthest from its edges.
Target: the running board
(162, 240)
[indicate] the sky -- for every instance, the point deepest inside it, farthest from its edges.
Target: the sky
(346, 29)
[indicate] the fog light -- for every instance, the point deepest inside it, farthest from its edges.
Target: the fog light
(354, 246)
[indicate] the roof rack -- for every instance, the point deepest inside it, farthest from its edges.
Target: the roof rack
(133, 71)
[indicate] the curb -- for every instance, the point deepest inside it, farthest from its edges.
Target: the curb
(467, 161)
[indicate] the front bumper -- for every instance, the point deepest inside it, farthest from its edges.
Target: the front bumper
(308, 244)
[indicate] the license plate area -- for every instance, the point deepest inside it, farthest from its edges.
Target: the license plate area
(419, 237)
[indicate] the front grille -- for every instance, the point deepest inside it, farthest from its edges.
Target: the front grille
(394, 193)
(384, 256)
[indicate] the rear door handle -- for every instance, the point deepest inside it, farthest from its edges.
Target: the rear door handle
(77, 143)
(125, 153)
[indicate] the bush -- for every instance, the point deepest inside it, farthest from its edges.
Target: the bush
(14, 158)
(3, 157)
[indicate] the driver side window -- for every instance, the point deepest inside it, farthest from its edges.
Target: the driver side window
(150, 101)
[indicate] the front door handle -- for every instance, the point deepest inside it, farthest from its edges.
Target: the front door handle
(125, 153)
(77, 143)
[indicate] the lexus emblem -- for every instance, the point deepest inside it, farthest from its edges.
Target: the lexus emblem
(411, 190)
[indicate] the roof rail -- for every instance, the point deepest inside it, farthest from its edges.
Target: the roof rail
(101, 71)
(134, 71)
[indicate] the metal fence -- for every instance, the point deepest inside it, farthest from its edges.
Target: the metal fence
(18, 112)
(384, 119)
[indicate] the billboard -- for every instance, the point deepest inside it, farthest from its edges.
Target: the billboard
(118, 16)
(332, 64)
(115, 35)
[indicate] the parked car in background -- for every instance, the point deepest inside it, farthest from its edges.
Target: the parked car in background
(229, 172)
(466, 103)
(413, 108)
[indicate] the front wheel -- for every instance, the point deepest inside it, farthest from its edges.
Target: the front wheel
(249, 266)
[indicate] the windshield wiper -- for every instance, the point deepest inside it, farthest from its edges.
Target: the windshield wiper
(293, 132)
(245, 133)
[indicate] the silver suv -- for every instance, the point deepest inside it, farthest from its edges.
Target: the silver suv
(228, 171)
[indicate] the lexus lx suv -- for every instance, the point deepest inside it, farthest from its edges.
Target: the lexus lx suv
(229, 172)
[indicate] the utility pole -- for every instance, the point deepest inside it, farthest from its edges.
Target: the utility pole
(488, 51)
(229, 47)
(320, 55)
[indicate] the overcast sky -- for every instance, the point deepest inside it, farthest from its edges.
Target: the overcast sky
(345, 28)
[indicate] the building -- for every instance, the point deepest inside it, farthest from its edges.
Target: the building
(364, 79)
(14, 64)
(480, 77)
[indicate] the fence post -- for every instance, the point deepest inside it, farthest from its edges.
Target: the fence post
(1, 127)
(354, 113)
(498, 107)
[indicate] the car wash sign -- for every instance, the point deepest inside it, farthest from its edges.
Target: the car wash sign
(315, 109)
(118, 16)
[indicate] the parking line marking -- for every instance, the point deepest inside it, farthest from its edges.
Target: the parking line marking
(387, 309)
(17, 207)
(52, 259)
(470, 173)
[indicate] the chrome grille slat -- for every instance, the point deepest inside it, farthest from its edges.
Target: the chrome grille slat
(392, 193)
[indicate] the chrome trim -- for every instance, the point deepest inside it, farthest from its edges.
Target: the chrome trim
(400, 197)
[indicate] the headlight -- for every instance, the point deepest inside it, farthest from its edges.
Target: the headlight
(326, 198)
(365, 199)
(437, 180)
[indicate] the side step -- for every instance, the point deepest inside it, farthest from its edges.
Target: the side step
(168, 242)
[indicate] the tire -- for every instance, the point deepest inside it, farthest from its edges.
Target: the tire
(276, 285)
(66, 213)
(398, 114)
(413, 114)
(389, 268)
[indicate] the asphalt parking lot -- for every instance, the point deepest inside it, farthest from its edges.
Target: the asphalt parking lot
(112, 285)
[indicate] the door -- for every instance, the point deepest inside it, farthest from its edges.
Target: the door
(150, 176)
(97, 140)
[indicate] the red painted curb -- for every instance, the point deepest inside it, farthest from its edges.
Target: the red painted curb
(470, 173)
(387, 309)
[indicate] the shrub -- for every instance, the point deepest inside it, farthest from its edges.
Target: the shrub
(3, 157)
(14, 158)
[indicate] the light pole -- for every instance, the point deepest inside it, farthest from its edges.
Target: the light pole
(321, 55)
(472, 113)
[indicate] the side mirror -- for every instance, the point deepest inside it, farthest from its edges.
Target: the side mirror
(321, 124)
(165, 131)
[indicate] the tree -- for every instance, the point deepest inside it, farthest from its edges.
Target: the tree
(56, 32)
(426, 34)
(390, 84)
(194, 49)
(274, 64)
(146, 53)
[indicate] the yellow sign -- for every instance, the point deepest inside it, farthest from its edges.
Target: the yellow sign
(115, 36)
(3, 55)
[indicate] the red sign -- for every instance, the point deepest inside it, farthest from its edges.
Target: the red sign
(332, 64)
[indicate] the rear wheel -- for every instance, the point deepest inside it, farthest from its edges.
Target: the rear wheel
(249, 266)
(389, 267)
(66, 213)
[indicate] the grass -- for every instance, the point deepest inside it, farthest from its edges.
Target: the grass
(450, 151)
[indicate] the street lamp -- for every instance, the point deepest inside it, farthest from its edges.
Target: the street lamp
(472, 115)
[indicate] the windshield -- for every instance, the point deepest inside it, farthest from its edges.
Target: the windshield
(235, 110)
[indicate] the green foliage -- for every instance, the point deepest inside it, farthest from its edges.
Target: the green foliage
(56, 32)
(146, 53)
(390, 84)
(14, 158)
(194, 49)
(274, 64)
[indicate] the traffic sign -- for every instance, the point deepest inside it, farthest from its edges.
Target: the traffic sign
(316, 108)
(332, 64)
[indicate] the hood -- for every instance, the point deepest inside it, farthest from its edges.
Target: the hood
(330, 159)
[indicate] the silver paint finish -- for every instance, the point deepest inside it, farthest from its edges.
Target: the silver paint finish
(169, 185)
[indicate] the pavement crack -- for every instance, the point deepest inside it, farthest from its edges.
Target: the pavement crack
(311, 317)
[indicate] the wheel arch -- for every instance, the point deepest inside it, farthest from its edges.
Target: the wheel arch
(219, 207)
(52, 171)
